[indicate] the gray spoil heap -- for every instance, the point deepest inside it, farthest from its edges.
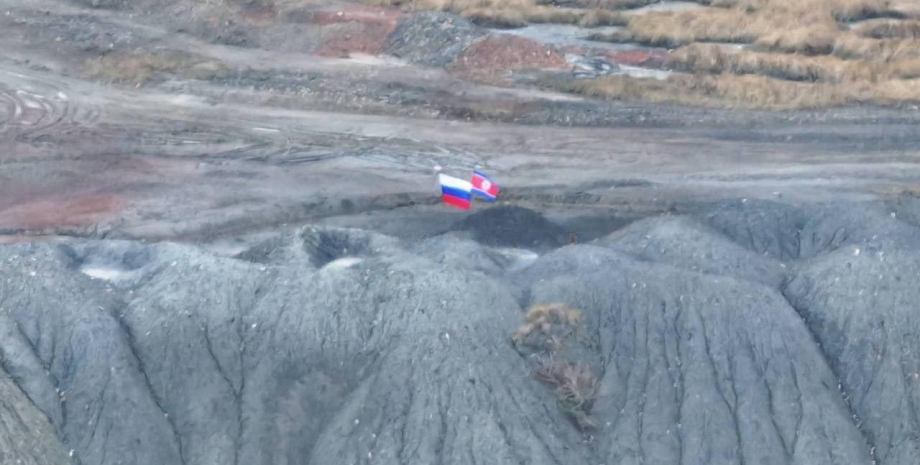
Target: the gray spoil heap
(756, 333)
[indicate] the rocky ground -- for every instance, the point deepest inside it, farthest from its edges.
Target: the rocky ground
(224, 244)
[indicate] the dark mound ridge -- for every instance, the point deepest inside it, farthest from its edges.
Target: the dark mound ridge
(432, 39)
(713, 341)
(513, 227)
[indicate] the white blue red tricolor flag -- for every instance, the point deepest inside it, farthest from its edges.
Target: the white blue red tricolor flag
(455, 192)
(484, 187)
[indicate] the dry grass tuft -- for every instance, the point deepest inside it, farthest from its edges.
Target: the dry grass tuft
(674, 29)
(805, 41)
(605, 4)
(799, 53)
(750, 92)
(541, 319)
(140, 68)
(574, 385)
(852, 46)
(714, 59)
(809, 26)
(513, 13)
(887, 29)
(724, 91)
(814, 40)
(598, 17)
(841, 10)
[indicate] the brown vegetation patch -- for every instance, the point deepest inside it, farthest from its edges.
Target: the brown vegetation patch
(715, 59)
(547, 329)
(541, 319)
(574, 385)
(750, 92)
(141, 67)
(800, 26)
(59, 212)
(512, 13)
(888, 29)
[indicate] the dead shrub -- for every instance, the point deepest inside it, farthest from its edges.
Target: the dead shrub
(548, 327)
(574, 385)
(542, 318)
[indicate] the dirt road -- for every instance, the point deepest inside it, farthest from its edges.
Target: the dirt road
(286, 137)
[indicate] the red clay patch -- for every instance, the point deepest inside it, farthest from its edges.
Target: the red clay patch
(646, 58)
(357, 14)
(51, 213)
(341, 40)
(502, 54)
(356, 29)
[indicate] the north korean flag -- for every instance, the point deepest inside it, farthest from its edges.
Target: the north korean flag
(484, 187)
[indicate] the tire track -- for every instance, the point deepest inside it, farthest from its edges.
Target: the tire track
(32, 108)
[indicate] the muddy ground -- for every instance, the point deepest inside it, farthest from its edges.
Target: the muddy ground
(250, 121)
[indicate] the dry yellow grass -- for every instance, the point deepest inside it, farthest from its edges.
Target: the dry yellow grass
(841, 10)
(513, 13)
(139, 68)
(888, 29)
(800, 53)
(608, 4)
(852, 46)
(750, 92)
(598, 17)
(813, 40)
(809, 26)
(709, 25)
(714, 59)
(726, 91)
(540, 318)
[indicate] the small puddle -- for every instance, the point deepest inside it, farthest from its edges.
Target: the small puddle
(635, 71)
(103, 273)
(520, 258)
(564, 35)
(342, 263)
(587, 56)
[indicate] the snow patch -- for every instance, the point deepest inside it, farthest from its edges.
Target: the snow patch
(104, 273)
(342, 263)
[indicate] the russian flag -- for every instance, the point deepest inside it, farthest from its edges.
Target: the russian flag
(484, 187)
(456, 192)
